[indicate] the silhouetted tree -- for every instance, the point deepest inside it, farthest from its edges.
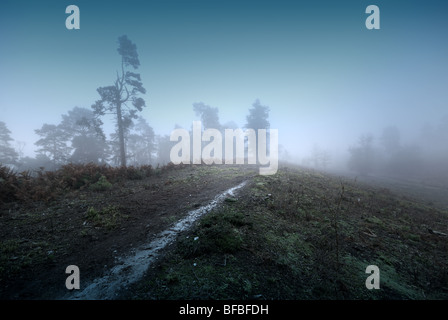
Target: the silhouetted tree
(230, 125)
(209, 115)
(87, 138)
(8, 155)
(258, 117)
(53, 144)
(164, 146)
(141, 143)
(115, 99)
(361, 156)
(40, 161)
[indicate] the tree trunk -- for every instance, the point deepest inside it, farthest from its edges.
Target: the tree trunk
(121, 135)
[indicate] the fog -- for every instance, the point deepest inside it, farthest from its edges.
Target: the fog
(343, 98)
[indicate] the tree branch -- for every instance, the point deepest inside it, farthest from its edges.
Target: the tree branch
(127, 96)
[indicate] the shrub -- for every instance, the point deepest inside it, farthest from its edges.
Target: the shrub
(8, 184)
(108, 217)
(101, 185)
(47, 185)
(218, 232)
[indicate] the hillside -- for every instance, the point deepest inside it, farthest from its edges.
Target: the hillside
(299, 234)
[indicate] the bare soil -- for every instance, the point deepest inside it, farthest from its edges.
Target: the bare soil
(39, 240)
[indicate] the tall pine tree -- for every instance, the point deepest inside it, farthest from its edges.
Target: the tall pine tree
(122, 99)
(8, 154)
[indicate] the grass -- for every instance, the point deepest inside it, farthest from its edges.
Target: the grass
(69, 213)
(19, 254)
(300, 235)
(108, 217)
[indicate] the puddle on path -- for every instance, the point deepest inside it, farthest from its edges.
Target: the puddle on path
(132, 267)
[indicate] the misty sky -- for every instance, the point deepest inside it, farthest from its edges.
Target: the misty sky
(325, 76)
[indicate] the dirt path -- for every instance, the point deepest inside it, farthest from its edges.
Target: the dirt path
(132, 267)
(45, 238)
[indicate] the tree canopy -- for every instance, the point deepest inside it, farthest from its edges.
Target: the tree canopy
(258, 117)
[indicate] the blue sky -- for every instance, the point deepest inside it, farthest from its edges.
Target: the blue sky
(325, 77)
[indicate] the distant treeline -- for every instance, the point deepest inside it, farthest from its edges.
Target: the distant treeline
(425, 159)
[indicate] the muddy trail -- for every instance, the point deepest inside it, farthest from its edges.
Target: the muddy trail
(132, 267)
(111, 236)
